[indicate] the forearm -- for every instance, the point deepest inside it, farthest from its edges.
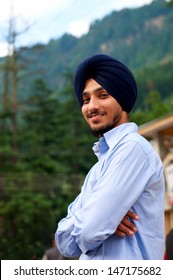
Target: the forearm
(65, 242)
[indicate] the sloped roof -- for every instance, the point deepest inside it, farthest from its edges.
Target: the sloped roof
(162, 125)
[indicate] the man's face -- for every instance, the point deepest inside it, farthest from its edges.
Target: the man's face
(100, 110)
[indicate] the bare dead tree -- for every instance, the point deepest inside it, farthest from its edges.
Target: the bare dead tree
(11, 70)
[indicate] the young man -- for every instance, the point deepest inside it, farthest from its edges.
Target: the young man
(127, 176)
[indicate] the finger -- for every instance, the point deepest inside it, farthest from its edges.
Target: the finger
(132, 215)
(126, 229)
(127, 223)
(120, 233)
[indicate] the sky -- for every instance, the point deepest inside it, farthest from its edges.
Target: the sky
(39, 21)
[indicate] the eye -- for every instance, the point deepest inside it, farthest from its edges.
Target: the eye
(104, 95)
(86, 100)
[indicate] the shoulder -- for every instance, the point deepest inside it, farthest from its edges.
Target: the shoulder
(134, 148)
(135, 139)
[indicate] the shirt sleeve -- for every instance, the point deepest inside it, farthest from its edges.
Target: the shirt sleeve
(120, 185)
(65, 241)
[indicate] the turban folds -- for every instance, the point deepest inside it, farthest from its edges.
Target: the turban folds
(112, 75)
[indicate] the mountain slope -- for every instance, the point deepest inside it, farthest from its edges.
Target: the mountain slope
(140, 38)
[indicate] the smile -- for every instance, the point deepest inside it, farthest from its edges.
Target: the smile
(95, 115)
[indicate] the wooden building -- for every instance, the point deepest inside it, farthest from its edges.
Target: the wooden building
(160, 133)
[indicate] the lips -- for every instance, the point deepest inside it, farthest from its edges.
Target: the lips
(93, 115)
(95, 118)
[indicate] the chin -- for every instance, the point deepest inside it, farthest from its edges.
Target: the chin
(98, 132)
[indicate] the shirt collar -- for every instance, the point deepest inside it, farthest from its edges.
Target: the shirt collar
(112, 137)
(100, 147)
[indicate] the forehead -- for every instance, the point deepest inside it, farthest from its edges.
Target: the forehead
(92, 86)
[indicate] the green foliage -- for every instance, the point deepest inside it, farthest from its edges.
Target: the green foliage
(40, 131)
(154, 79)
(170, 3)
(154, 107)
(30, 208)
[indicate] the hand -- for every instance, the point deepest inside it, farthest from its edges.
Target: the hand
(126, 227)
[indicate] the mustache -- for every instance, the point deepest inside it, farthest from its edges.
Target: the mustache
(94, 113)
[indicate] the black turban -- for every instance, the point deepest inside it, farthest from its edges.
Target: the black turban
(112, 75)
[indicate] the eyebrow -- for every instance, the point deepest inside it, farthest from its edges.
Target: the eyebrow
(95, 90)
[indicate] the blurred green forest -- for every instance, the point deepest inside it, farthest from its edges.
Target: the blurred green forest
(45, 145)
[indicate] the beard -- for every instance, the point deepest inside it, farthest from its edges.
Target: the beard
(100, 131)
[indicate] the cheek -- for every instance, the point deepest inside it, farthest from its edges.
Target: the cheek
(114, 114)
(84, 111)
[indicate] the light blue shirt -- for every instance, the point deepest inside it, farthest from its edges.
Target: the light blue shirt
(127, 176)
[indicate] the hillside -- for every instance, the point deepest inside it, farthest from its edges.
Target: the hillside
(141, 38)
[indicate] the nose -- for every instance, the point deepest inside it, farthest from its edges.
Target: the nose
(93, 104)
